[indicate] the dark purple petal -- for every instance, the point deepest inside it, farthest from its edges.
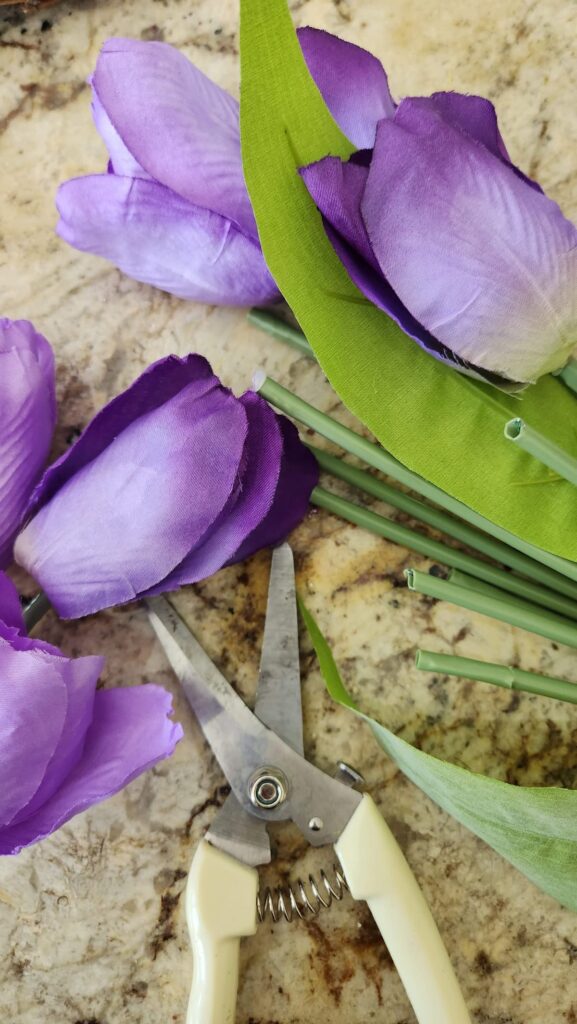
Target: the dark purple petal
(337, 189)
(485, 262)
(248, 508)
(125, 519)
(299, 475)
(157, 237)
(352, 81)
(179, 126)
(129, 732)
(33, 703)
(27, 418)
(10, 607)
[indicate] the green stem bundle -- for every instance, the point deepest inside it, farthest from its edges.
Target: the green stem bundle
(500, 607)
(546, 568)
(456, 530)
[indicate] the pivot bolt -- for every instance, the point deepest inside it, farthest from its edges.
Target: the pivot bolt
(267, 788)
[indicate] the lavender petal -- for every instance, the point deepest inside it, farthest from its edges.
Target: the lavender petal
(181, 127)
(504, 298)
(161, 239)
(27, 418)
(352, 81)
(152, 494)
(129, 732)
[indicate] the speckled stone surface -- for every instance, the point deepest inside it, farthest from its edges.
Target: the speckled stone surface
(91, 923)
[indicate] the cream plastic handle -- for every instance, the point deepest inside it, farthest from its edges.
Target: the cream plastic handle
(376, 871)
(220, 909)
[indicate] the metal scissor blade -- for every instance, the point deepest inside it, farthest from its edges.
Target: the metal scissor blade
(229, 726)
(240, 834)
(242, 744)
(278, 700)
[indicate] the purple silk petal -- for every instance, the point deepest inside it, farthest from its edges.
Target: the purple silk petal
(121, 159)
(352, 81)
(127, 518)
(337, 189)
(20, 642)
(156, 237)
(473, 114)
(130, 731)
(27, 418)
(80, 677)
(10, 607)
(299, 475)
(484, 261)
(476, 116)
(181, 127)
(33, 702)
(159, 383)
(260, 476)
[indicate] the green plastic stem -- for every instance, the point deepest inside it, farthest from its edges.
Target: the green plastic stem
(482, 587)
(279, 329)
(541, 448)
(456, 530)
(527, 617)
(377, 457)
(569, 375)
(35, 610)
(498, 675)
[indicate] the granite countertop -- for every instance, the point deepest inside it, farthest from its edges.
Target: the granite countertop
(91, 922)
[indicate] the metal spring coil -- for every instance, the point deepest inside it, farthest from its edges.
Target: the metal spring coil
(296, 901)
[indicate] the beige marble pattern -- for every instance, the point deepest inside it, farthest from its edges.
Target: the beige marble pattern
(91, 923)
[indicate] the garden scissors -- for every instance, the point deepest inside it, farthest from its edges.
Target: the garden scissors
(261, 754)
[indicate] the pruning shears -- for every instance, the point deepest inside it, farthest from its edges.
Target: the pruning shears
(261, 753)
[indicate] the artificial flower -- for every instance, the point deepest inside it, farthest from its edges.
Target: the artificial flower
(63, 745)
(173, 210)
(169, 482)
(436, 226)
(27, 417)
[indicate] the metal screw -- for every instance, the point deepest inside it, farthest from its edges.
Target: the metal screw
(267, 788)
(316, 824)
(347, 775)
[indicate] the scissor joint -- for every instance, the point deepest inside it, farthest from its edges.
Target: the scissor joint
(268, 787)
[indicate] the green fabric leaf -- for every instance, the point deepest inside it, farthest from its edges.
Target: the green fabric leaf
(440, 424)
(533, 828)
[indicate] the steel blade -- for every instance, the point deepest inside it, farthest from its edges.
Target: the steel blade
(240, 834)
(222, 714)
(278, 700)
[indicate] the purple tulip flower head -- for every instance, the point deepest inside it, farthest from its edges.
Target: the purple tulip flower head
(437, 227)
(173, 210)
(27, 418)
(64, 746)
(172, 480)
